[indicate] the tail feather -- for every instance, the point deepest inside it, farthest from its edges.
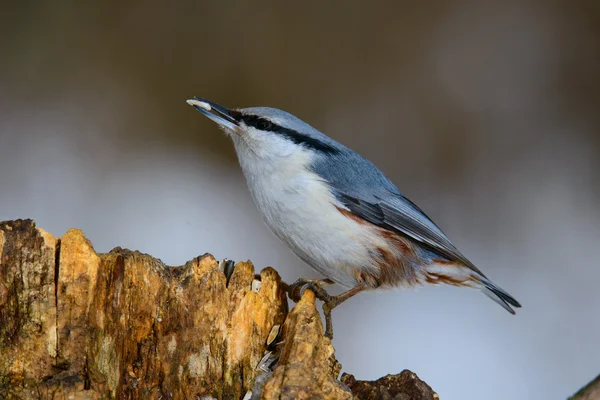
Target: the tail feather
(460, 275)
(499, 296)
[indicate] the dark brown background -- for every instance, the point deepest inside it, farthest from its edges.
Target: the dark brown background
(484, 113)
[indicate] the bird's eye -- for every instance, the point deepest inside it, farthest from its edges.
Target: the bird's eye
(264, 125)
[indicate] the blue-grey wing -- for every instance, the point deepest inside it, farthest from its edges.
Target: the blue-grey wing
(367, 193)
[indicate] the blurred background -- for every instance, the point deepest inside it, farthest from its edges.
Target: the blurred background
(484, 113)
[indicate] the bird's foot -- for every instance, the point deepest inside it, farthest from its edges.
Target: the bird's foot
(335, 301)
(327, 307)
(296, 289)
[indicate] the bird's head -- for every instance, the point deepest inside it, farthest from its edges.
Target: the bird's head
(267, 131)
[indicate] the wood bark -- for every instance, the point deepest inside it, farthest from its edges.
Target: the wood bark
(80, 325)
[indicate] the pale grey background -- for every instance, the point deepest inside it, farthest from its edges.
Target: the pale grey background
(483, 113)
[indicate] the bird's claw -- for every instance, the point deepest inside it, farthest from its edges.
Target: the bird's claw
(297, 289)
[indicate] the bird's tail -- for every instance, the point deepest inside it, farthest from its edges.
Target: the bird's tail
(467, 275)
(498, 295)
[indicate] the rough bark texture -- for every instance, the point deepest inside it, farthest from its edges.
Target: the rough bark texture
(80, 325)
(404, 386)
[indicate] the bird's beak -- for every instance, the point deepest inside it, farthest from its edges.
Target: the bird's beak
(219, 114)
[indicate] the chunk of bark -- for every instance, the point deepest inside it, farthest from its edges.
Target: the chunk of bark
(307, 364)
(28, 340)
(404, 386)
(80, 325)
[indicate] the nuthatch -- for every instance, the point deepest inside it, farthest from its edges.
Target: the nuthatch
(338, 212)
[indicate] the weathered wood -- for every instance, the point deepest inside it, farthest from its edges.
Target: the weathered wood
(28, 340)
(307, 365)
(80, 325)
(405, 385)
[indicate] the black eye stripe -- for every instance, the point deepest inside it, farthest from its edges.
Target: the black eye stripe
(264, 125)
(310, 142)
(259, 123)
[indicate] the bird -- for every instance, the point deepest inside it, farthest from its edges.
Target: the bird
(338, 212)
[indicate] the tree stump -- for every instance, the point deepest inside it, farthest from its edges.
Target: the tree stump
(80, 325)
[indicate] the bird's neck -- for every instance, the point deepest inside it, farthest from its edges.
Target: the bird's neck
(265, 159)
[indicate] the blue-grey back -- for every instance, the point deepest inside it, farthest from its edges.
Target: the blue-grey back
(354, 175)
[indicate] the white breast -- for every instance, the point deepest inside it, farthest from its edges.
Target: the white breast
(301, 211)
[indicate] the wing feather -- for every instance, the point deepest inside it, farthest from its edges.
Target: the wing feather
(369, 194)
(402, 216)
